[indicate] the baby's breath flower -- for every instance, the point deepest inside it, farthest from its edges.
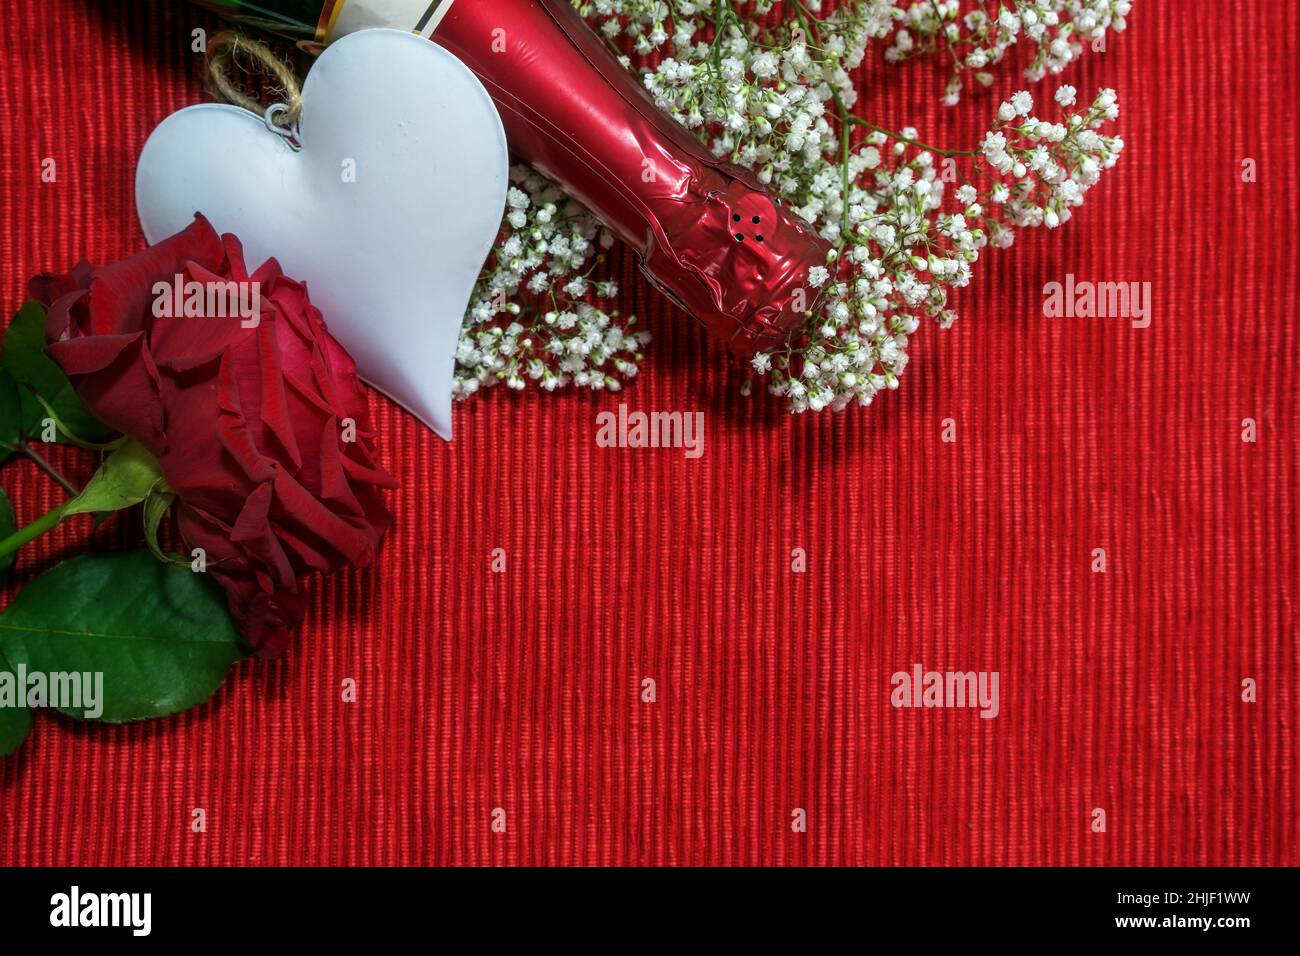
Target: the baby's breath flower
(1058, 31)
(535, 315)
(777, 98)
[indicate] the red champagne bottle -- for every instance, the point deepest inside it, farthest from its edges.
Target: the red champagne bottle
(707, 232)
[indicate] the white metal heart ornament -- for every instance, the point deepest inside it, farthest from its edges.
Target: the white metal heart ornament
(387, 210)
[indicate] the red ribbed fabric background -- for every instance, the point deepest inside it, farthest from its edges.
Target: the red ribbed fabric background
(522, 690)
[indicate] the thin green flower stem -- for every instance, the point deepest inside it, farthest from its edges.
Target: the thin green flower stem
(716, 46)
(934, 4)
(913, 142)
(802, 15)
(30, 532)
(845, 126)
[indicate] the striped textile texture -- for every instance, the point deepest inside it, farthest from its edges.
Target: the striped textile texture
(522, 691)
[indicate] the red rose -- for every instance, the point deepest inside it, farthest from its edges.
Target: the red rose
(257, 420)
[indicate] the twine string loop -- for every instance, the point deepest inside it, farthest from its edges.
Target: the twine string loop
(228, 51)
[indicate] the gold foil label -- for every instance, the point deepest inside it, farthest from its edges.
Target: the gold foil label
(418, 16)
(329, 15)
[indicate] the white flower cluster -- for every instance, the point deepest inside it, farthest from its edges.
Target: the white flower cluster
(1051, 165)
(900, 252)
(777, 99)
(978, 39)
(531, 316)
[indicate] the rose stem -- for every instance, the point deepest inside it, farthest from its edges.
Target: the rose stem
(30, 532)
(49, 469)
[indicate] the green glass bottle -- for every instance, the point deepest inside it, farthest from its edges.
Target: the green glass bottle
(314, 23)
(306, 21)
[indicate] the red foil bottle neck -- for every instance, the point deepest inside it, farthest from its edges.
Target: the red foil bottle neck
(574, 113)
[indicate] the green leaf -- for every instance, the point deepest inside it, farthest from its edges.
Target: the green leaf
(24, 357)
(124, 479)
(15, 721)
(7, 527)
(160, 635)
(11, 414)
